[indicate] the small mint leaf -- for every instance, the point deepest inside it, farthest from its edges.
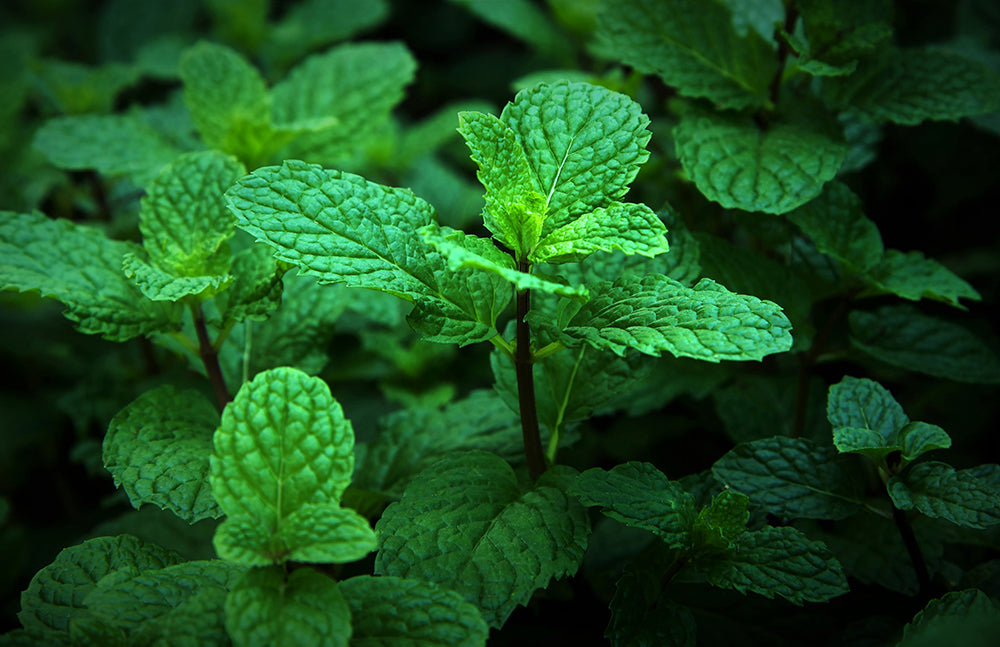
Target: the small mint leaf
(625, 227)
(836, 223)
(257, 288)
(326, 533)
(857, 440)
(863, 404)
(720, 524)
(159, 285)
(938, 490)
(912, 276)
(391, 610)
(158, 447)
(918, 438)
(304, 607)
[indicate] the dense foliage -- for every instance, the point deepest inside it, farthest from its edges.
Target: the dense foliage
(645, 322)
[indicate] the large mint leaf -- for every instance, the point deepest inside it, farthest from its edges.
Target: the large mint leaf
(283, 457)
(938, 490)
(741, 166)
(836, 223)
(304, 607)
(82, 268)
(584, 144)
(183, 218)
(902, 336)
(639, 495)
(777, 562)
(111, 144)
(340, 227)
(693, 46)
(158, 447)
(793, 478)
(625, 227)
(865, 404)
(392, 610)
(966, 617)
(55, 596)
(908, 86)
(912, 276)
(656, 314)
(465, 523)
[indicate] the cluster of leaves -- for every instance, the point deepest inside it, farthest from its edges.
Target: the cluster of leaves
(283, 277)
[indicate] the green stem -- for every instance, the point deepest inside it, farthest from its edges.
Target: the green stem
(247, 348)
(501, 343)
(791, 17)
(523, 368)
(549, 349)
(210, 358)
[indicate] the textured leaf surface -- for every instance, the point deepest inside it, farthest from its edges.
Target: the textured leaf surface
(939, 490)
(159, 285)
(918, 438)
(625, 227)
(865, 404)
(341, 228)
(82, 268)
(395, 611)
(257, 288)
(266, 608)
(912, 276)
(722, 522)
(903, 336)
(656, 314)
(465, 523)
(966, 617)
(836, 223)
(639, 495)
(778, 562)
(56, 593)
(693, 46)
(326, 533)
(790, 477)
(158, 449)
(584, 145)
(735, 163)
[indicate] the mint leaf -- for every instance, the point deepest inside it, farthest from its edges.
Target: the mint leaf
(639, 495)
(720, 524)
(737, 164)
(183, 219)
(335, 226)
(911, 276)
(283, 458)
(625, 227)
(902, 336)
(257, 288)
(969, 617)
(866, 405)
(793, 478)
(55, 596)
(391, 610)
(46, 255)
(938, 490)
(855, 440)
(654, 314)
(584, 145)
(918, 438)
(836, 223)
(304, 607)
(693, 46)
(465, 523)
(159, 285)
(777, 561)
(908, 86)
(158, 447)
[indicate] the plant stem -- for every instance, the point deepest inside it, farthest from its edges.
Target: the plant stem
(526, 385)
(791, 17)
(210, 358)
(913, 548)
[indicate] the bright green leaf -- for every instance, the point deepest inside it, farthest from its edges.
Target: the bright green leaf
(628, 228)
(465, 523)
(158, 447)
(836, 223)
(864, 404)
(326, 533)
(159, 285)
(257, 289)
(940, 491)
(720, 524)
(912, 276)
(269, 608)
(919, 438)
(391, 610)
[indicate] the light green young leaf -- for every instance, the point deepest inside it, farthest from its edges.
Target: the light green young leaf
(940, 491)
(391, 610)
(966, 617)
(735, 163)
(912, 276)
(55, 596)
(902, 336)
(777, 562)
(157, 449)
(721, 523)
(111, 144)
(836, 223)
(466, 251)
(183, 218)
(693, 46)
(793, 478)
(584, 145)
(908, 86)
(515, 208)
(864, 404)
(326, 533)
(639, 495)
(465, 523)
(340, 227)
(656, 314)
(625, 227)
(283, 443)
(267, 608)
(918, 438)
(159, 285)
(38, 253)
